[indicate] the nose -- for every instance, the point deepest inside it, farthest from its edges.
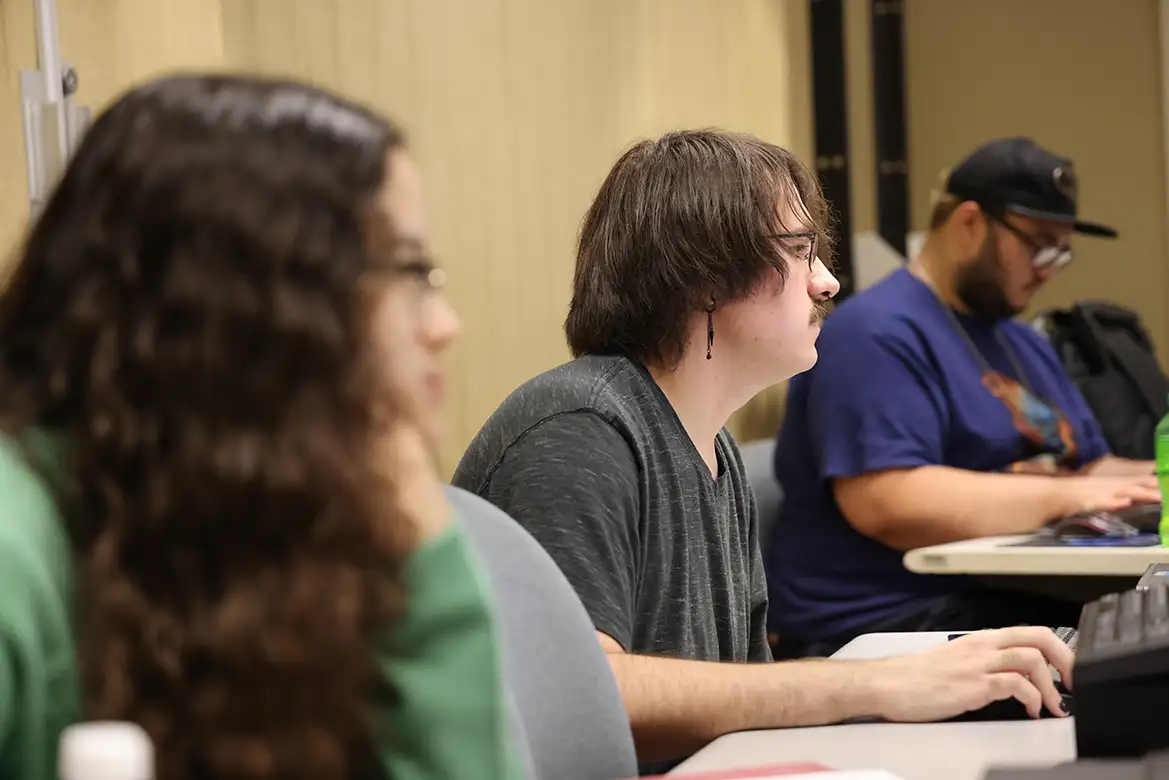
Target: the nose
(823, 285)
(442, 325)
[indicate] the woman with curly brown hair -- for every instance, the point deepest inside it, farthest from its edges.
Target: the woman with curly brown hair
(218, 395)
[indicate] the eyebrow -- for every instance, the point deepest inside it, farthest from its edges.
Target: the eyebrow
(1040, 235)
(1049, 239)
(411, 242)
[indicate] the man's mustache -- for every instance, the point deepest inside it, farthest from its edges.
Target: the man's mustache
(820, 310)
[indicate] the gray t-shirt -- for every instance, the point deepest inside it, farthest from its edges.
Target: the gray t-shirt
(592, 460)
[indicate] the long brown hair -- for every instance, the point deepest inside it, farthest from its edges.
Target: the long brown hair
(186, 320)
(679, 220)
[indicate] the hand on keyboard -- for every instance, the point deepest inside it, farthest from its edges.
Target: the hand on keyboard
(1108, 494)
(975, 670)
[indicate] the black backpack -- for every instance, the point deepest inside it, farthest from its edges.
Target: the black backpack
(1110, 357)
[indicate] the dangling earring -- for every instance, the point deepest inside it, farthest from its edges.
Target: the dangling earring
(709, 327)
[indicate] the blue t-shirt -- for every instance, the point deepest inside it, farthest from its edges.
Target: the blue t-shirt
(897, 386)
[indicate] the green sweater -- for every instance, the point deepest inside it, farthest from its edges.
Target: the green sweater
(443, 661)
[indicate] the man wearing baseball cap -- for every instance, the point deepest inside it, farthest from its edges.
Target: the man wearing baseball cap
(932, 416)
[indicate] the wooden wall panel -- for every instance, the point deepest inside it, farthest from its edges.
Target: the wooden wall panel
(113, 44)
(516, 110)
(117, 43)
(861, 140)
(17, 52)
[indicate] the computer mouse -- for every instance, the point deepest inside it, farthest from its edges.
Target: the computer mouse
(1143, 517)
(1012, 709)
(1094, 524)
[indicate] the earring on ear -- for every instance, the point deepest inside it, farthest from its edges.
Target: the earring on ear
(709, 327)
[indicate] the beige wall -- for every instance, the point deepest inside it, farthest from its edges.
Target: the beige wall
(112, 43)
(517, 108)
(862, 143)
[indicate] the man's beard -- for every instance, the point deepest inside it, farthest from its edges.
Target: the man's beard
(979, 285)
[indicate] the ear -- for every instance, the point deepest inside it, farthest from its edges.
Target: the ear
(968, 222)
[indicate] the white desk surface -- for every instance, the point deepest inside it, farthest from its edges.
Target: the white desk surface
(913, 751)
(991, 555)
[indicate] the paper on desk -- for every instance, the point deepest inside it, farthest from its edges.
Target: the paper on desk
(836, 774)
(806, 771)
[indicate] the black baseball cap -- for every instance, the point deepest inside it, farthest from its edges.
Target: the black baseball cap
(1019, 176)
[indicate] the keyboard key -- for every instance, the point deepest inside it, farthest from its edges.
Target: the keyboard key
(1158, 603)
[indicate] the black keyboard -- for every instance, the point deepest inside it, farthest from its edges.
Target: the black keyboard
(1121, 674)
(1128, 629)
(1156, 575)
(1071, 638)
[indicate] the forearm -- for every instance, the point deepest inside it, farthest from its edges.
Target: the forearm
(677, 706)
(937, 504)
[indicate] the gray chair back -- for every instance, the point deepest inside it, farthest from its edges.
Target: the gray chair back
(562, 688)
(758, 459)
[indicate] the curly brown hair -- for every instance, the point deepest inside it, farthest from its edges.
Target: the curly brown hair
(188, 321)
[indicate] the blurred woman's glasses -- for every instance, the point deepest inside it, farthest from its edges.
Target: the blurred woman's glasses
(427, 276)
(415, 276)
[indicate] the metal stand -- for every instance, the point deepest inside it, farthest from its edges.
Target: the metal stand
(53, 125)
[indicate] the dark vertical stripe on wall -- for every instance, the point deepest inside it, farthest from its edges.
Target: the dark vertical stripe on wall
(830, 113)
(889, 122)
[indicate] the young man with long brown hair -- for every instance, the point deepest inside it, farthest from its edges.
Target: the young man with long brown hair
(700, 280)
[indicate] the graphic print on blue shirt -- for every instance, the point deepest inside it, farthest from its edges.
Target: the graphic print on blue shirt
(1042, 424)
(897, 387)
